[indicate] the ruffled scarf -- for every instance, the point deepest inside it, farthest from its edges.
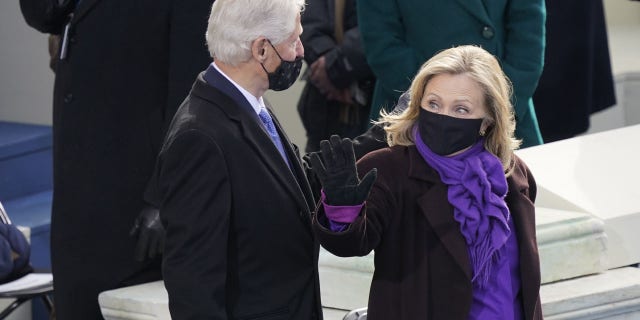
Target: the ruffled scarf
(477, 187)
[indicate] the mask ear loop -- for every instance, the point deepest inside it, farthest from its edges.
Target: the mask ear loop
(276, 50)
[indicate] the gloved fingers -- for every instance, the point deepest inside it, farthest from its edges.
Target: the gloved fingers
(327, 154)
(348, 154)
(336, 151)
(366, 184)
(140, 252)
(318, 167)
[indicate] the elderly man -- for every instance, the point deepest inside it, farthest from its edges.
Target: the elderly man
(232, 193)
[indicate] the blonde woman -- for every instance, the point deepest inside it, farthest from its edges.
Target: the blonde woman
(448, 207)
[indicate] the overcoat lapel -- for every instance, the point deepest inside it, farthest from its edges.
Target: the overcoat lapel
(268, 152)
(296, 165)
(476, 8)
(439, 214)
(255, 135)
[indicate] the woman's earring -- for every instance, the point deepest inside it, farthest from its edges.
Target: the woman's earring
(482, 133)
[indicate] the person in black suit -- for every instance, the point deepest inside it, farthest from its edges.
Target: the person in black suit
(230, 186)
(122, 69)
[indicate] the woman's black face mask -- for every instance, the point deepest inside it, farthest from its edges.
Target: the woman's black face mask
(285, 74)
(445, 135)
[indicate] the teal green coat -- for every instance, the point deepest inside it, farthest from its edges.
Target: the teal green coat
(400, 35)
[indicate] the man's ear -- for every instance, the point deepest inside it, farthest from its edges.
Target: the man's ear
(258, 49)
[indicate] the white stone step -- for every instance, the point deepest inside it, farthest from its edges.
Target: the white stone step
(570, 244)
(595, 174)
(612, 295)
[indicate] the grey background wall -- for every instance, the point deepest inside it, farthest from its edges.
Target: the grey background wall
(26, 82)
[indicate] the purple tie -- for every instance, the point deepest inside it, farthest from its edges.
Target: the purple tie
(265, 117)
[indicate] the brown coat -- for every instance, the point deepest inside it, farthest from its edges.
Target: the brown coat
(422, 268)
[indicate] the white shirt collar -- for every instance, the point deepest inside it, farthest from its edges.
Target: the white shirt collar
(256, 103)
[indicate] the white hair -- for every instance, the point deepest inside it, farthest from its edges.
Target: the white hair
(235, 24)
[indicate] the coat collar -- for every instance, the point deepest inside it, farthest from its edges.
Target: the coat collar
(215, 79)
(240, 111)
(419, 169)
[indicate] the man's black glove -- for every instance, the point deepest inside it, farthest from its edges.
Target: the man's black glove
(149, 231)
(338, 174)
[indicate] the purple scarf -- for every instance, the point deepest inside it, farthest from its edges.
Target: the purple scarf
(477, 187)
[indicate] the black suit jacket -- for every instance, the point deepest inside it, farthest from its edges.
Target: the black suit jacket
(239, 243)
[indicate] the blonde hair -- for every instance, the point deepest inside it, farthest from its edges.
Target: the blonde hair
(483, 68)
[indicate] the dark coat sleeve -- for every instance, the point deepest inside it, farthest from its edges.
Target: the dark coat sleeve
(373, 139)
(392, 59)
(317, 36)
(376, 138)
(48, 16)
(345, 62)
(196, 213)
(524, 50)
(531, 181)
(188, 53)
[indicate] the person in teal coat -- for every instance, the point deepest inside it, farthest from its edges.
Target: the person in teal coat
(398, 36)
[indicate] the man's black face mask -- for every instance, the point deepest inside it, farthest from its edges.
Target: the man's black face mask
(285, 74)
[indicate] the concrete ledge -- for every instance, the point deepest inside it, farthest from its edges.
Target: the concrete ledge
(594, 174)
(345, 282)
(614, 294)
(148, 301)
(570, 244)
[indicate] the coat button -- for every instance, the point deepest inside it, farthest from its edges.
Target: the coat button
(68, 98)
(487, 32)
